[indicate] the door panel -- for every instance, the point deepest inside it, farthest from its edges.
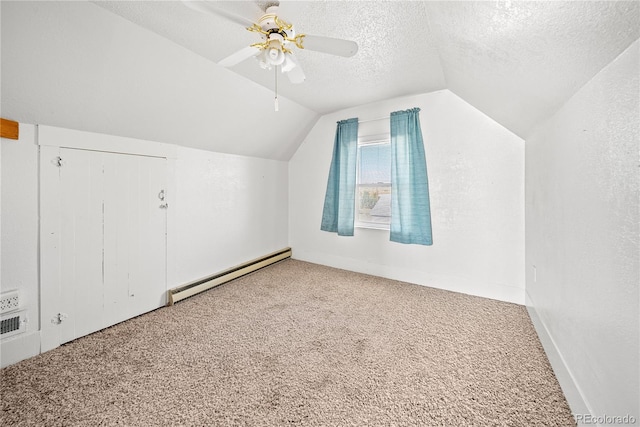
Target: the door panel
(113, 238)
(151, 226)
(135, 230)
(82, 186)
(117, 246)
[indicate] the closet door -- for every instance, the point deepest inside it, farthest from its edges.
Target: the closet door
(113, 238)
(134, 236)
(81, 243)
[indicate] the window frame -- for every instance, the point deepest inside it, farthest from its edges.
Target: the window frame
(369, 140)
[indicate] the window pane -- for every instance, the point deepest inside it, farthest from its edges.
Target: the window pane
(374, 184)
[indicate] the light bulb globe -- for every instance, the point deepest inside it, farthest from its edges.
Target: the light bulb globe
(276, 56)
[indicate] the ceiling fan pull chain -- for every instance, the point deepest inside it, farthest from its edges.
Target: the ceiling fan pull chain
(276, 92)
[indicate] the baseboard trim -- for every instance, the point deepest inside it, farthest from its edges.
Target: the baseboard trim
(201, 285)
(19, 347)
(567, 381)
(463, 285)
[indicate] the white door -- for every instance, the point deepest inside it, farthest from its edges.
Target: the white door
(112, 238)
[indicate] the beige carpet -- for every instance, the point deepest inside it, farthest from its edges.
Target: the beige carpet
(298, 344)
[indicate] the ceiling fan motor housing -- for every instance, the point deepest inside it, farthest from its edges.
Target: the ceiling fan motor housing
(271, 23)
(276, 34)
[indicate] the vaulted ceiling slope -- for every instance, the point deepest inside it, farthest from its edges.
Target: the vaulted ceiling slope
(75, 65)
(81, 65)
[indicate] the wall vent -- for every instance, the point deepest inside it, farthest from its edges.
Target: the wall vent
(12, 324)
(9, 301)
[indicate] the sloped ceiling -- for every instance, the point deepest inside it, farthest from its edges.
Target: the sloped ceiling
(153, 74)
(518, 62)
(72, 64)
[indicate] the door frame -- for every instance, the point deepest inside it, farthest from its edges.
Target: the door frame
(50, 140)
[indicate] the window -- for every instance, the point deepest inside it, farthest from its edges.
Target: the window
(373, 183)
(360, 181)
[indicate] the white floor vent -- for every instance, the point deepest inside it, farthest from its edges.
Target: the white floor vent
(9, 301)
(12, 324)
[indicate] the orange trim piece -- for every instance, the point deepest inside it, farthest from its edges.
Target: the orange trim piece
(9, 129)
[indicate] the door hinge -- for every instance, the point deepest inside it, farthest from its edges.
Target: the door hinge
(161, 196)
(59, 318)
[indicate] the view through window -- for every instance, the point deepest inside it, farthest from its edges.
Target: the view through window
(373, 186)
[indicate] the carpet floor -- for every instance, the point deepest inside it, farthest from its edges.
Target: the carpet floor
(298, 344)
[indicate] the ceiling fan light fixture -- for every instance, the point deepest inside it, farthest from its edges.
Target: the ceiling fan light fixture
(276, 56)
(263, 60)
(272, 54)
(288, 64)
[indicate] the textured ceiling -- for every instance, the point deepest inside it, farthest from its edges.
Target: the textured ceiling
(517, 61)
(148, 69)
(396, 52)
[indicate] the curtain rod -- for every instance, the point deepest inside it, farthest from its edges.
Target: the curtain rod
(373, 120)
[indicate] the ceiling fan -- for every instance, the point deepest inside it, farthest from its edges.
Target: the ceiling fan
(278, 39)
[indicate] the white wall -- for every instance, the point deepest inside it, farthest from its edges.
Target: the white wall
(223, 210)
(19, 228)
(582, 191)
(230, 209)
(476, 179)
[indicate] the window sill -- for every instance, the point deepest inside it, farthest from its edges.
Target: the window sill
(372, 226)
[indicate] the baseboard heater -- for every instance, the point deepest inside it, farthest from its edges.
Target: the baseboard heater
(201, 285)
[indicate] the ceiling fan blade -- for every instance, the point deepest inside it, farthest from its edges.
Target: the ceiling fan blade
(330, 45)
(211, 8)
(295, 75)
(239, 56)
